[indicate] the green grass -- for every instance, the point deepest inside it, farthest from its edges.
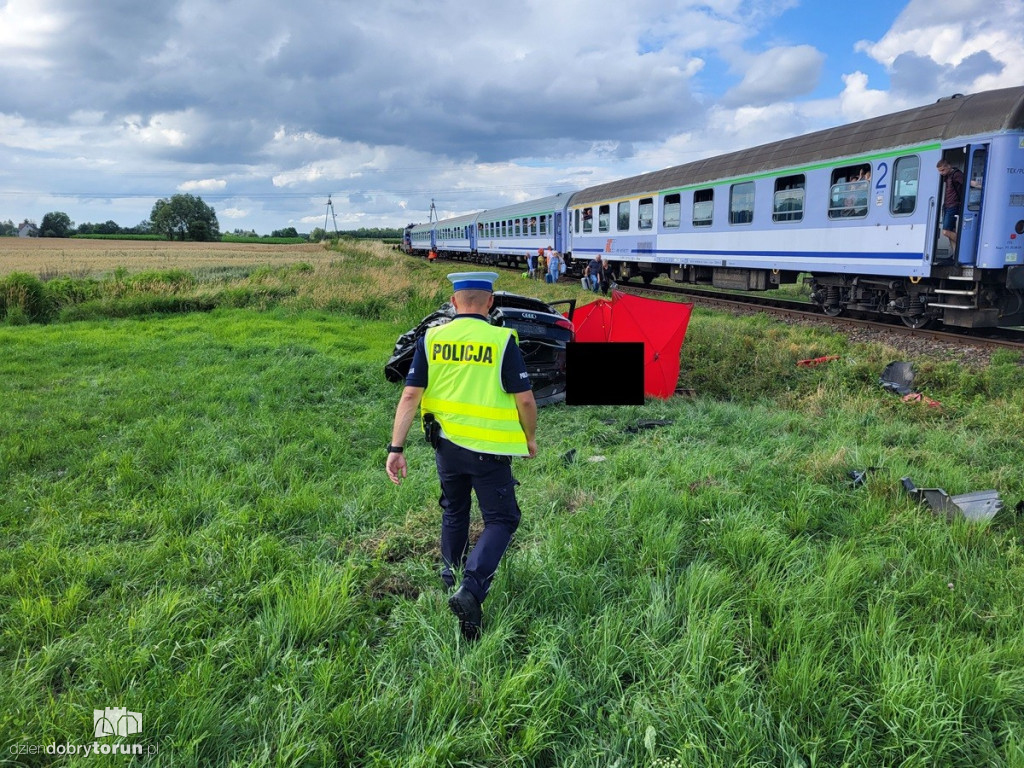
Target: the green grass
(196, 525)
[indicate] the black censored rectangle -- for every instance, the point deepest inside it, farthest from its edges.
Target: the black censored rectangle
(604, 373)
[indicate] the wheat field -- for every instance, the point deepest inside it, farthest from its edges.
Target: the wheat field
(58, 257)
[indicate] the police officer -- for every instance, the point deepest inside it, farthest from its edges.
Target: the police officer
(470, 380)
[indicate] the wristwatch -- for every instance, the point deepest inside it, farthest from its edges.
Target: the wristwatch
(395, 448)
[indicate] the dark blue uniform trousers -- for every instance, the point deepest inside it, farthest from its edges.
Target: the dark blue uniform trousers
(461, 471)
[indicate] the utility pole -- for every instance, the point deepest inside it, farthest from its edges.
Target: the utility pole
(433, 212)
(330, 211)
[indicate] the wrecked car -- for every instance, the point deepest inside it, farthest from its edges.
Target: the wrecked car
(543, 335)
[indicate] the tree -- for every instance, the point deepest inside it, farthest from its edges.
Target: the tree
(286, 232)
(56, 224)
(7, 228)
(185, 216)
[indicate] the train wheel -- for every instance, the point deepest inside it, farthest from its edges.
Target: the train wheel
(916, 321)
(834, 310)
(648, 277)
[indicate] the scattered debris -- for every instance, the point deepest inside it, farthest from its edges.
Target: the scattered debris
(978, 506)
(648, 424)
(596, 459)
(569, 457)
(898, 377)
(860, 476)
(816, 361)
(686, 392)
(917, 397)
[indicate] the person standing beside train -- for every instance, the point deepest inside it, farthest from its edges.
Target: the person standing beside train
(606, 276)
(593, 274)
(952, 199)
(555, 267)
(538, 263)
(478, 411)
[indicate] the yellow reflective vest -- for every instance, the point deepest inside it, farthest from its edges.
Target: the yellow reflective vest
(464, 387)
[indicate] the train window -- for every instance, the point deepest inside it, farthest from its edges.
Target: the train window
(623, 216)
(741, 203)
(645, 213)
(543, 225)
(604, 218)
(670, 213)
(703, 207)
(588, 219)
(848, 196)
(788, 204)
(977, 181)
(903, 199)
(533, 225)
(577, 212)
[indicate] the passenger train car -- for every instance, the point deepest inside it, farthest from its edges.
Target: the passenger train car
(503, 235)
(856, 208)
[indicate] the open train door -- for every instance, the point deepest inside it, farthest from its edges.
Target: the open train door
(974, 190)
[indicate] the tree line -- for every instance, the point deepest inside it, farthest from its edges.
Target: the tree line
(180, 217)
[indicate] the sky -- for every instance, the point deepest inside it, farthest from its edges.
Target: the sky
(266, 109)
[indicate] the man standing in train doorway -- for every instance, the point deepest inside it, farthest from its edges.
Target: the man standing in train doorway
(478, 411)
(952, 201)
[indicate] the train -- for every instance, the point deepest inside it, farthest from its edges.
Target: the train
(855, 211)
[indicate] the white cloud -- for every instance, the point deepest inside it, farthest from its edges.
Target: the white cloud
(778, 74)
(858, 102)
(936, 47)
(160, 130)
(28, 28)
(202, 185)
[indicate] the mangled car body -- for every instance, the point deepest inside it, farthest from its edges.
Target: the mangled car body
(543, 334)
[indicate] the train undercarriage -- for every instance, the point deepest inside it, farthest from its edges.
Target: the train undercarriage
(954, 296)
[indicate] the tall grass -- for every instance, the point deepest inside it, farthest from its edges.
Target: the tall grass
(196, 526)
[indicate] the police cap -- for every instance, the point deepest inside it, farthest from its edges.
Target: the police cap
(473, 281)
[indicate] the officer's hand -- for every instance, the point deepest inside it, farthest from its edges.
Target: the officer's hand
(531, 446)
(396, 467)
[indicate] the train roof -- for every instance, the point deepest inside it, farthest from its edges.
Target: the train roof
(454, 221)
(530, 207)
(986, 112)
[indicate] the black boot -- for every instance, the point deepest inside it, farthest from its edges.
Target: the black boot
(467, 608)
